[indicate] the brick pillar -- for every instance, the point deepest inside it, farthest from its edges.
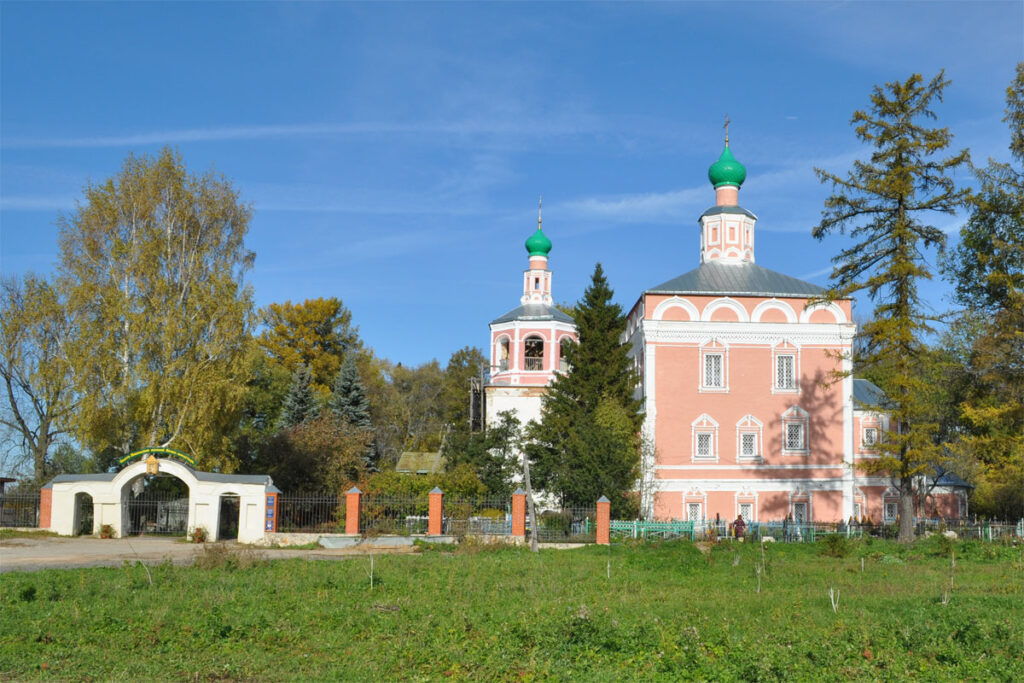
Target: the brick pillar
(436, 506)
(45, 508)
(270, 523)
(604, 521)
(352, 511)
(519, 513)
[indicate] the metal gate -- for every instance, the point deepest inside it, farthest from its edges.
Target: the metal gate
(84, 514)
(150, 513)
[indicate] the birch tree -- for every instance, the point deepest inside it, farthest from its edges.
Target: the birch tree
(153, 263)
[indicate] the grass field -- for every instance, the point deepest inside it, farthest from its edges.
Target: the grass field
(648, 612)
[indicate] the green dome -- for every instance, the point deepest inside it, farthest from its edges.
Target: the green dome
(538, 244)
(727, 171)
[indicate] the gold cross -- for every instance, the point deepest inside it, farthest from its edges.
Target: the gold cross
(726, 126)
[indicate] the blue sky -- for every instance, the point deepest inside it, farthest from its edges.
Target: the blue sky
(394, 153)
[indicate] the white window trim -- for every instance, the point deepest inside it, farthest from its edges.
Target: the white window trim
(702, 386)
(695, 496)
(704, 424)
(785, 349)
(747, 496)
(801, 495)
(864, 445)
(750, 425)
(795, 415)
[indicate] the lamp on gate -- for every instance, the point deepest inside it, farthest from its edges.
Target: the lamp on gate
(152, 465)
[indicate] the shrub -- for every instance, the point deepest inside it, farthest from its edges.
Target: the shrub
(199, 535)
(835, 545)
(106, 531)
(221, 556)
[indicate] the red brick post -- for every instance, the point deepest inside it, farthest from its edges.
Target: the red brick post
(519, 513)
(270, 523)
(352, 511)
(604, 521)
(45, 507)
(436, 505)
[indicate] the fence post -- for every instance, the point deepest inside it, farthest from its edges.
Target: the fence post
(604, 520)
(436, 505)
(519, 513)
(45, 507)
(352, 511)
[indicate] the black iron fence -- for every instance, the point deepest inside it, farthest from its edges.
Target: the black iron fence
(19, 510)
(481, 516)
(403, 515)
(568, 525)
(311, 513)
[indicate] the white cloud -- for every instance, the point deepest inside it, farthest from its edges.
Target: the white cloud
(466, 127)
(37, 203)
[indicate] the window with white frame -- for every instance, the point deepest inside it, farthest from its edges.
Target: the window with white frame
(747, 512)
(869, 439)
(785, 371)
(705, 438)
(857, 511)
(748, 445)
(795, 436)
(890, 511)
(800, 514)
(748, 438)
(693, 512)
(794, 431)
(714, 371)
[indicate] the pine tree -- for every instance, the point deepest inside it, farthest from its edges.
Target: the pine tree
(300, 404)
(587, 443)
(348, 396)
(884, 203)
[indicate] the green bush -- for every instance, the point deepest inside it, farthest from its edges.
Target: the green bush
(835, 545)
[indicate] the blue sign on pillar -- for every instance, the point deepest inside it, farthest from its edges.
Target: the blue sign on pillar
(271, 513)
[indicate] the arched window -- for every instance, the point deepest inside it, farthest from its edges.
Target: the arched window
(534, 347)
(502, 353)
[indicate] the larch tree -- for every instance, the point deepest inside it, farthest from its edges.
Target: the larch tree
(885, 204)
(316, 332)
(152, 265)
(987, 268)
(587, 442)
(38, 396)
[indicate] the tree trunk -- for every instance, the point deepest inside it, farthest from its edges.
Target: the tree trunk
(529, 504)
(906, 530)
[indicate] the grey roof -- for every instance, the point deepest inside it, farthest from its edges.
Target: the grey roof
(534, 312)
(737, 279)
(867, 394)
(60, 478)
(258, 479)
(950, 479)
(716, 210)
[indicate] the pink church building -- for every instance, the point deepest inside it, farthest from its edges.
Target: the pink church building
(749, 403)
(745, 376)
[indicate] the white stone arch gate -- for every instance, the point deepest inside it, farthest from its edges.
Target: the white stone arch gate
(205, 490)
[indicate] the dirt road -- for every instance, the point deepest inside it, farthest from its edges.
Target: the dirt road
(35, 553)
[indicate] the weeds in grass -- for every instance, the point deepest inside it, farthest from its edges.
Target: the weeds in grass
(228, 557)
(25, 533)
